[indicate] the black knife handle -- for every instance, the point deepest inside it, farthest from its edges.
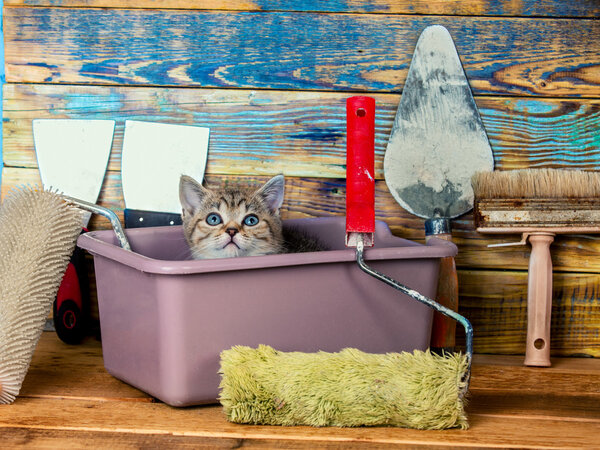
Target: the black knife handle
(135, 218)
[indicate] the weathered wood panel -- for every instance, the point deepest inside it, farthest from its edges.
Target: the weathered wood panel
(297, 133)
(494, 301)
(570, 253)
(315, 197)
(539, 8)
(550, 405)
(282, 50)
(304, 49)
(496, 304)
(305, 197)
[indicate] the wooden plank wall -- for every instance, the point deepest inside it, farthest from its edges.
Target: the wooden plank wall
(270, 79)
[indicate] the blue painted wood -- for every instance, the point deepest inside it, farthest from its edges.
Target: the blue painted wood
(333, 52)
(542, 8)
(522, 8)
(299, 133)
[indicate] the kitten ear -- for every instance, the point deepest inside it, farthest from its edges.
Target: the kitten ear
(272, 192)
(191, 194)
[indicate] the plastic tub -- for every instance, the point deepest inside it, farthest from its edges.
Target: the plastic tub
(165, 318)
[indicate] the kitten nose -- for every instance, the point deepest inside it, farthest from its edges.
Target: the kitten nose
(232, 231)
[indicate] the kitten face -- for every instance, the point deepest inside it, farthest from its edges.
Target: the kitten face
(232, 221)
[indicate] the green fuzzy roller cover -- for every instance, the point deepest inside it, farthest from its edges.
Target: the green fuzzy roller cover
(350, 388)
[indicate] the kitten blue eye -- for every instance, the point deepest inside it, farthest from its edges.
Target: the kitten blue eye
(213, 219)
(250, 220)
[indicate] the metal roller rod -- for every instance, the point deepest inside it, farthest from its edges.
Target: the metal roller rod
(426, 300)
(111, 216)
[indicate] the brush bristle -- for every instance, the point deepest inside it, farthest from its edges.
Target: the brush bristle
(38, 231)
(536, 183)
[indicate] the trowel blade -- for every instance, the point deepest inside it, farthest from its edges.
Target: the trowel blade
(438, 140)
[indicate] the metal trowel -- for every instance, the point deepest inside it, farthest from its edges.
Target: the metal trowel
(436, 145)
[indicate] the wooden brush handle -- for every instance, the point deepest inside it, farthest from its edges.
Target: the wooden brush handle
(539, 301)
(443, 333)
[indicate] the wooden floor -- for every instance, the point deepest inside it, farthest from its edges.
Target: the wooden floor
(68, 400)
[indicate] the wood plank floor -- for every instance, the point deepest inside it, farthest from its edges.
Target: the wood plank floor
(68, 400)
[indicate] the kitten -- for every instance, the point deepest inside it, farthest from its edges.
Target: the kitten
(238, 221)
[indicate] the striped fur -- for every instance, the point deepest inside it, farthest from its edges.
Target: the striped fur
(231, 236)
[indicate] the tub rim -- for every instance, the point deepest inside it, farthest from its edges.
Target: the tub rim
(95, 242)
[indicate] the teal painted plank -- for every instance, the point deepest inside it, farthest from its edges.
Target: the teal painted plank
(333, 52)
(523, 8)
(299, 133)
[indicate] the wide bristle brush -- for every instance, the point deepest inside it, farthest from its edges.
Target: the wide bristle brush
(38, 232)
(537, 203)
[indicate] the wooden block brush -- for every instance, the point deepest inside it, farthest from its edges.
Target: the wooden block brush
(38, 231)
(538, 204)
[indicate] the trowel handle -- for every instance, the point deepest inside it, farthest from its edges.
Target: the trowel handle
(539, 301)
(360, 168)
(443, 332)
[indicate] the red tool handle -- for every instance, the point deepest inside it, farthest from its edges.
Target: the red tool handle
(360, 169)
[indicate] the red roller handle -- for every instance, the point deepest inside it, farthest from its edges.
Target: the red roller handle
(360, 169)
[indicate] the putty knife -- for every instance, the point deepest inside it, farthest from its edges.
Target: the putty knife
(72, 157)
(436, 145)
(155, 155)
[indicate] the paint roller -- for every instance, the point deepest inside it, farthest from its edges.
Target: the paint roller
(351, 388)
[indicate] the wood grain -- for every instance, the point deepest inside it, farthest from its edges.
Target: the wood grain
(14, 437)
(496, 304)
(510, 405)
(64, 371)
(526, 8)
(561, 365)
(531, 405)
(286, 50)
(315, 197)
(270, 79)
(494, 301)
(202, 422)
(297, 133)
(74, 371)
(567, 377)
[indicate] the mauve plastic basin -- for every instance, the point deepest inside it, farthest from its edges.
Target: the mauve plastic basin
(165, 318)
